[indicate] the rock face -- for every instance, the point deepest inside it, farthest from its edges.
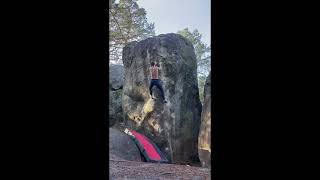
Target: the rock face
(205, 129)
(116, 77)
(173, 126)
(122, 147)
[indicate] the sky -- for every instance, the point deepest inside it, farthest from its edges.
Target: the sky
(171, 16)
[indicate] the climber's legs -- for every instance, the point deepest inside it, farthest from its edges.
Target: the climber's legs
(152, 83)
(158, 84)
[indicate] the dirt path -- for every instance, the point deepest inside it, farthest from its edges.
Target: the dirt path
(119, 170)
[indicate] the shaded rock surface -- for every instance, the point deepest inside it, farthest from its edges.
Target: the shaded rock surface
(122, 147)
(204, 143)
(116, 78)
(173, 126)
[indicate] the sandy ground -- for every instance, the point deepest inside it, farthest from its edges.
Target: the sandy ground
(119, 170)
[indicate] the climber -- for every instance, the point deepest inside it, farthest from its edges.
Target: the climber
(155, 81)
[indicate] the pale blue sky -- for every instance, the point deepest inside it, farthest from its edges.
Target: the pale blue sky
(170, 16)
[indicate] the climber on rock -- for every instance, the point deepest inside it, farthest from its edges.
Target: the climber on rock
(155, 81)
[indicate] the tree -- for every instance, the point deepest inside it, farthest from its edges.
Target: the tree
(202, 52)
(201, 84)
(127, 23)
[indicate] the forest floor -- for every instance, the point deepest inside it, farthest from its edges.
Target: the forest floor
(120, 169)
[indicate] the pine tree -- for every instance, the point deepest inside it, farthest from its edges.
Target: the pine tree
(127, 23)
(202, 52)
(201, 49)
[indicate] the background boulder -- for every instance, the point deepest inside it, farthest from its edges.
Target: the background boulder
(122, 147)
(116, 78)
(204, 143)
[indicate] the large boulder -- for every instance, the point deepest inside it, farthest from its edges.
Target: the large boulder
(204, 143)
(116, 77)
(122, 147)
(173, 126)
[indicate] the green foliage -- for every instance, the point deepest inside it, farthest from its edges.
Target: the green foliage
(127, 23)
(202, 50)
(118, 93)
(201, 83)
